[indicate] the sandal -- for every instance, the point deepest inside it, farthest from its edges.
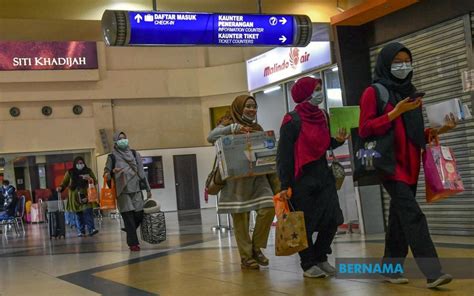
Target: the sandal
(260, 258)
(249, 263)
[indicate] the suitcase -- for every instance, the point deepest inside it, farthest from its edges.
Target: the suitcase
(57, 222)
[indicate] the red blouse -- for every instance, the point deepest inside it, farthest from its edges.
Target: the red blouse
(407, 154)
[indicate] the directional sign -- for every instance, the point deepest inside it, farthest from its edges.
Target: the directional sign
(122, 28)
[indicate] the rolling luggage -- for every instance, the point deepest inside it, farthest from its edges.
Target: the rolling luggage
(57, 222)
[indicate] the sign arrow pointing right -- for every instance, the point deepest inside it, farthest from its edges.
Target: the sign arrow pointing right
(282, 39)
(283, 20)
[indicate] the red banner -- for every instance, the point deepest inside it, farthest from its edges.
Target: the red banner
(38, 55)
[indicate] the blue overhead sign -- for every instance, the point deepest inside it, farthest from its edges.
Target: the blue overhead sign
(176, 28)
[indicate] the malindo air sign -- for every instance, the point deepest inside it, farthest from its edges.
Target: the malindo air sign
(281, 63)
(38, 55)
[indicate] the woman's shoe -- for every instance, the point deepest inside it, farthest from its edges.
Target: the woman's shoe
(249, 263)
(94, 232)
(135, 248)
(260, 258)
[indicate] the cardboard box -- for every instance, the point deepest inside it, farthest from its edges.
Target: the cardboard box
(247, 155)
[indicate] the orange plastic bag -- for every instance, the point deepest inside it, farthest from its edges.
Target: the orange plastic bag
(108, 196)
(92, 193)
(281, 206)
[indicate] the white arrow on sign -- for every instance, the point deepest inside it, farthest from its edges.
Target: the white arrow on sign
(282, 39)
(283, 20)
(138, 18)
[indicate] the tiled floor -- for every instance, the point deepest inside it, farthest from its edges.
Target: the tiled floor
(193, 261)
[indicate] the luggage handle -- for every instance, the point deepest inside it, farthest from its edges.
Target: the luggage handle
(60, 201)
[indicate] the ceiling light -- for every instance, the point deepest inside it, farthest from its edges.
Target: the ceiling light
(268, 90)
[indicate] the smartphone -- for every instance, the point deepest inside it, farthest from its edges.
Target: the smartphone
(416, 95)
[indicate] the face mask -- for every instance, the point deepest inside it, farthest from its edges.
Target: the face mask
(401, 70)
(248, 118)
(122, 143)
(80, 166)
(316, 98)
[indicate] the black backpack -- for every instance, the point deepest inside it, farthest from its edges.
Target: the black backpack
(373, 157)
(142, 182)
(112, 157)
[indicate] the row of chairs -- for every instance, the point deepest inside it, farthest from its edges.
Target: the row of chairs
(16, 221)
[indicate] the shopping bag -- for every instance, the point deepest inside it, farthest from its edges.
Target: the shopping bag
(92, 193)
(153, 227)
(442, 177)
(290, 235)
(108, 196)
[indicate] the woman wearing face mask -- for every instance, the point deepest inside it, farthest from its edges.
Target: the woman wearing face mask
(303, 167)
(77, 181)
(241, 196)
(126, 167)
(407, 226)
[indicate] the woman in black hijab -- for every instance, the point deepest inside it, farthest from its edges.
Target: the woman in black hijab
(407, 225)
(77, 181)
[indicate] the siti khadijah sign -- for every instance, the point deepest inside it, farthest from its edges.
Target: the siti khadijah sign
(39, 55)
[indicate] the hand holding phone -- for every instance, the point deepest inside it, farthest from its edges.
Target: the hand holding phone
(416, 95)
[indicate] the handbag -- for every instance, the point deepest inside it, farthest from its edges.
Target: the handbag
(373, 156)
(108, 196)
(214, 182)
(153, 227)
(336, 167)
(337, 170)
(81, 198)
(442, 178)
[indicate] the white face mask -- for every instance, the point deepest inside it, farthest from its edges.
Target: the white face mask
(316, 98)
(248, 118)
(401, 70)
(80, 166)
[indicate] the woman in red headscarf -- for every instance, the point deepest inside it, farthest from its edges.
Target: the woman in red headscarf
(302, 166)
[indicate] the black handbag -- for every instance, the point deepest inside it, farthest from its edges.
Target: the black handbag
(81, 198)
(373, 156)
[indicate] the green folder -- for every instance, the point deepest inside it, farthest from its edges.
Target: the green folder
(344, 117)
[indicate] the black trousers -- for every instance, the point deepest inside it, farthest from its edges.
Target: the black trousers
(132, 220)
(315, 194)
(407, 227)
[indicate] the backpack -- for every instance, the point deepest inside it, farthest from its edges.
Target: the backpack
(336, 167)
(142, 182)
(373, 156)
(112, 157)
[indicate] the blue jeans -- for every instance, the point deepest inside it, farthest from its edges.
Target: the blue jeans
(85, 218)
(3, 215)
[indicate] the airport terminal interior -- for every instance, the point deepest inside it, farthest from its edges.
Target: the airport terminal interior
(147, 147)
